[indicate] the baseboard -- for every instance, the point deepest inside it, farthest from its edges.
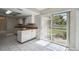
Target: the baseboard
(73, 49)
(26, 41)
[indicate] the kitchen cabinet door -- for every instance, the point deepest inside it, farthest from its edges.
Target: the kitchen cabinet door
(33, 35)
(26, 35)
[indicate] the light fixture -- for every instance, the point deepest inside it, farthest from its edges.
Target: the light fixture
(8, 12)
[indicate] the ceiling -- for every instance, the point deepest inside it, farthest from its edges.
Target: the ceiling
(40, 9)
(20, 11)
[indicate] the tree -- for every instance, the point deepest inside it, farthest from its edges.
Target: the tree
(59, 20)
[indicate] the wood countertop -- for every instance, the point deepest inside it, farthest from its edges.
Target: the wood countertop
(22, 29)
(29, 26)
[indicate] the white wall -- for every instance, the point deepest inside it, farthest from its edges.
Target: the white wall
(77, 29)
(41, 22)
(11, 22)
(38, 23)
(72, 39)
(44, 26)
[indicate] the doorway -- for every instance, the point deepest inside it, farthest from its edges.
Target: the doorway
(2, 26)
(58, 29)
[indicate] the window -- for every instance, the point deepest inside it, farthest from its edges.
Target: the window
(58, 28)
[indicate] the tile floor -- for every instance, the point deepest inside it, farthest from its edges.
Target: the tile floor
(10, 44)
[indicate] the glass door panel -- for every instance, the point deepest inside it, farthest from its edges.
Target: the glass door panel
(58, 28)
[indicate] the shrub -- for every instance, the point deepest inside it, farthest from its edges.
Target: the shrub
(61, 35)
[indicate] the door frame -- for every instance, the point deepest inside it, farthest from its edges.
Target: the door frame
(68, 27)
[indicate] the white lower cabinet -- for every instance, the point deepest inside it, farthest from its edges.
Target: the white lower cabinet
(33, 33)
(26, 35)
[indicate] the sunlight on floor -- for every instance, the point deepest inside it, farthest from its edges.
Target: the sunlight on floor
(42, 42)
(51, 46)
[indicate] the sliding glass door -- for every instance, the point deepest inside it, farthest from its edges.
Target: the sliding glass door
(58, 29)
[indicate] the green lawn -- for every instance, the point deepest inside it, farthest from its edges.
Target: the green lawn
(61, 31)
(57, 30)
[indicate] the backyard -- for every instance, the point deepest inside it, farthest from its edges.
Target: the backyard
(58, 31)
(61, 31)
(59, 35)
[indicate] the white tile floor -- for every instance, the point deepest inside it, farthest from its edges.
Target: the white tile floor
(11, 44)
